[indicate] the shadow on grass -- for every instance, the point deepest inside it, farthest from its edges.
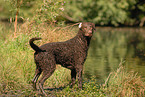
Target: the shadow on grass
(54, 89)
(51, 92)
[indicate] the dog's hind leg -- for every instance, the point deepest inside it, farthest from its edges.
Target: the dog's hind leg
(49, 66)
(37, 74)
(46, 74)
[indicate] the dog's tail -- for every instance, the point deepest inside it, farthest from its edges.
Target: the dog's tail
(34, 46)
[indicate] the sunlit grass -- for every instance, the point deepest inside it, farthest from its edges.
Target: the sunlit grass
(122, 83)
(17, 65)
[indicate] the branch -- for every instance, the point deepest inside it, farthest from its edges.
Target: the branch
(68, 17)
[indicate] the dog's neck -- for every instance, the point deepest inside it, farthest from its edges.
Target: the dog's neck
(83, 40)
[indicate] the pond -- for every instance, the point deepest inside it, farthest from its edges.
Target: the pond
(110, 46)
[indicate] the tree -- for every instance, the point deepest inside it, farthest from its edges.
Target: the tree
(105, 12)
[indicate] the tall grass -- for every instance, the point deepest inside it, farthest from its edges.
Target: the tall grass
(17, 67)
(119, 83)
(122, 83)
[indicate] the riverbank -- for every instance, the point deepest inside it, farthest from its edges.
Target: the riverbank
(17, 67)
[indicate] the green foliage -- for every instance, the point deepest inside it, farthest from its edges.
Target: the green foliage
(101, 12)
(39, 9)
(10, 7)
(48, 11)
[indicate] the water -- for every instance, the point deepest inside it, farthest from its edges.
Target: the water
(110, 46)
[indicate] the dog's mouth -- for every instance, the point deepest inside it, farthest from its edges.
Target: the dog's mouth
(89, 33)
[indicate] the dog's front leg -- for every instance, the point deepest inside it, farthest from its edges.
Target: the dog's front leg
(73, 77)
(79, 71)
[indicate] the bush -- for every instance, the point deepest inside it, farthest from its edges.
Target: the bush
(104, 12)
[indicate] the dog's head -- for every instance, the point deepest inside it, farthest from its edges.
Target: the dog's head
(87, 28)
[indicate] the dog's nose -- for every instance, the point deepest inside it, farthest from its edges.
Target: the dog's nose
(90, 31)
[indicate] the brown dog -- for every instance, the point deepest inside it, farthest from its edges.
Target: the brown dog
(70, 54)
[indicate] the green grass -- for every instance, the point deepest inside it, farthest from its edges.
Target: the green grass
(122, 83)
(17, 67)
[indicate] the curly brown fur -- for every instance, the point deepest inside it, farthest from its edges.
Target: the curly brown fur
(70, 54)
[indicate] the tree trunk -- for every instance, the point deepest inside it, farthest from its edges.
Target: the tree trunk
(16, 17)
(15, 25)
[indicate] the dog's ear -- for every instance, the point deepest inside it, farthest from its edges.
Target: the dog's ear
(80, 25)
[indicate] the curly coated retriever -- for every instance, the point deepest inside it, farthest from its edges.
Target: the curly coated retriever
(70, 54)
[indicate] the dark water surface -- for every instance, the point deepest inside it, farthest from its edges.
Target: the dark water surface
(111, 45)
